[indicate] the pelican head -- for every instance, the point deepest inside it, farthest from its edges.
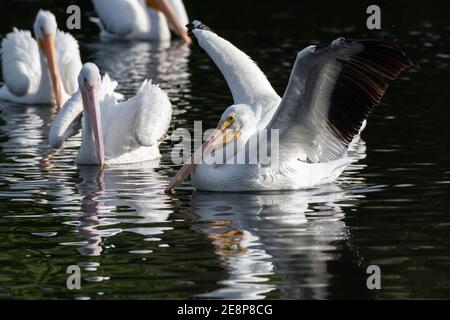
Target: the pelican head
(45, 28)
(89, 82)
(237, 123)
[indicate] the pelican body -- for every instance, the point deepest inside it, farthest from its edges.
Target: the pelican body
(113, 131)
(331, 91)
(141, 19)
(41, 70)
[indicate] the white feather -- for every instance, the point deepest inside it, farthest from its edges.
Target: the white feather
(67, 122)
(25, 70)
(135, 125)
(122, 18)
(69, 60)
(331, 91)
(132, 129)
(246, 81)
(153, 115)
(133, 19)
(20, 62)
(317, 119)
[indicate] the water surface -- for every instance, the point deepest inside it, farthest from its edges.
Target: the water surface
(133, 242)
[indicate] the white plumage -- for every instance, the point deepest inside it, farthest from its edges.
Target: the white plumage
(131, 129)
(67, 122)
(69, 60)
(26, 67)
(20, 62)
(331, 91)
(140, 19)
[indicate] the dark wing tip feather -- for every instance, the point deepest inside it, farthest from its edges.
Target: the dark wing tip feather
(362, 83)
(196, 25)
(389, 51)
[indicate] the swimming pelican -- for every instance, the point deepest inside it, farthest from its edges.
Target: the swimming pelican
(113, 132)
(42, 71)
(331, 91)
(141, 19)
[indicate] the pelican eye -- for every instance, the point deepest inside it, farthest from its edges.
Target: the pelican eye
(230, 120)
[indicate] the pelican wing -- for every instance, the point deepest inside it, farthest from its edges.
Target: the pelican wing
(69, 60)
(141, 120)
(118, 17)
(246, 81)
(67, 122)
(107, 90)
(154, 112)
(20, 62)
(331, 91)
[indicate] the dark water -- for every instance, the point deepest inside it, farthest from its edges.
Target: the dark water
(132, 241)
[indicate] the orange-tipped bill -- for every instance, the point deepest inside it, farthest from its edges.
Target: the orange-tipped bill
(47, 44)
(90, 101)
(207, 147)
(215, 139)
(220, 136)
(168, 11)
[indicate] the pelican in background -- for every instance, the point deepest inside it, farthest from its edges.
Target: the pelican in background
(141, 19)
(331, 91)
(42, 71)
(113, 132)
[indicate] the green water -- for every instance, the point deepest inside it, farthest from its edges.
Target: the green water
(133, 242)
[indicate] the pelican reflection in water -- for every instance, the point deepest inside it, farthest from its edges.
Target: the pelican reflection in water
(125, 195)
(268, 242)
(282, 243)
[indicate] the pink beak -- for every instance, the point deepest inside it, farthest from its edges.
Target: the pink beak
(48, 46)
(206, 148)
(93, 110)
(166, 8)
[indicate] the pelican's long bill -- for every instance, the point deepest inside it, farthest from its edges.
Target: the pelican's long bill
(47, 44)
(90, 101)
(168, 11)
(219, 137)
